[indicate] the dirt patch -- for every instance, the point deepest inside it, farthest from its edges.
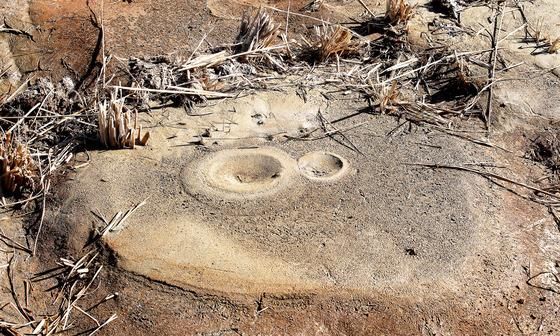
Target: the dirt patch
(69, 39)
(546, 150)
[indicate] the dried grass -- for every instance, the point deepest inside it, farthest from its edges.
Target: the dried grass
(333, 41)
(18, 168)
(76, 279)
(386, 97)
(554, 46)
(257, 31)
(118, 126)
(538, 35)
(398, 11)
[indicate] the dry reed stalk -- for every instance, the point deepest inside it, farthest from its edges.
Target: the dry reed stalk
(176, 90)
(17, 167)
(257, 31)
(204, 61)
(116, 223)
(498, 22)
(76, 279)
(118, 127)
(398, 11)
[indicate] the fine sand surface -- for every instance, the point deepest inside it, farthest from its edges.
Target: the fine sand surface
(245, 216)
(253, 216)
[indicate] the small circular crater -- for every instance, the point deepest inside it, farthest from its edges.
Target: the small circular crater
(245, 173)
(322, 165)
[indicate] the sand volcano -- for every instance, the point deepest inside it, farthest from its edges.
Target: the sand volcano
(284, 216)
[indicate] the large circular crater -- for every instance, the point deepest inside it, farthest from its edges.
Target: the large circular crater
(241, 173)
(245, 172)
(322, 165)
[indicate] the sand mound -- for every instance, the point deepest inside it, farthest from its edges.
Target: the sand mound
(258, 213)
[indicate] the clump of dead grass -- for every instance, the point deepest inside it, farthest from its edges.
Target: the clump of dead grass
(257, 31)
(385, 97)
(398, 11)
(118, 125)
(332, 41)
(18, 168)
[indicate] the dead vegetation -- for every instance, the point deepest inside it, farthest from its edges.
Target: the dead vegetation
(257, 31)
(385, 97)
(398, 11)
(118, 125)
(543, 41)
(386, 36)
(18, 168)
(74, 280)
(536, 34)
(436, 88)
(331, 42)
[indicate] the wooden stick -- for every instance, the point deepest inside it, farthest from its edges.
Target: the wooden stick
(181, 91)
(366, 7)
(13, 244)
(493, 60)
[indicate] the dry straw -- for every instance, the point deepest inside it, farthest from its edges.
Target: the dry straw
(77, 280)
(19, 170)
(257, 31)
(118, 126)
(398, 11)
(333, 41)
